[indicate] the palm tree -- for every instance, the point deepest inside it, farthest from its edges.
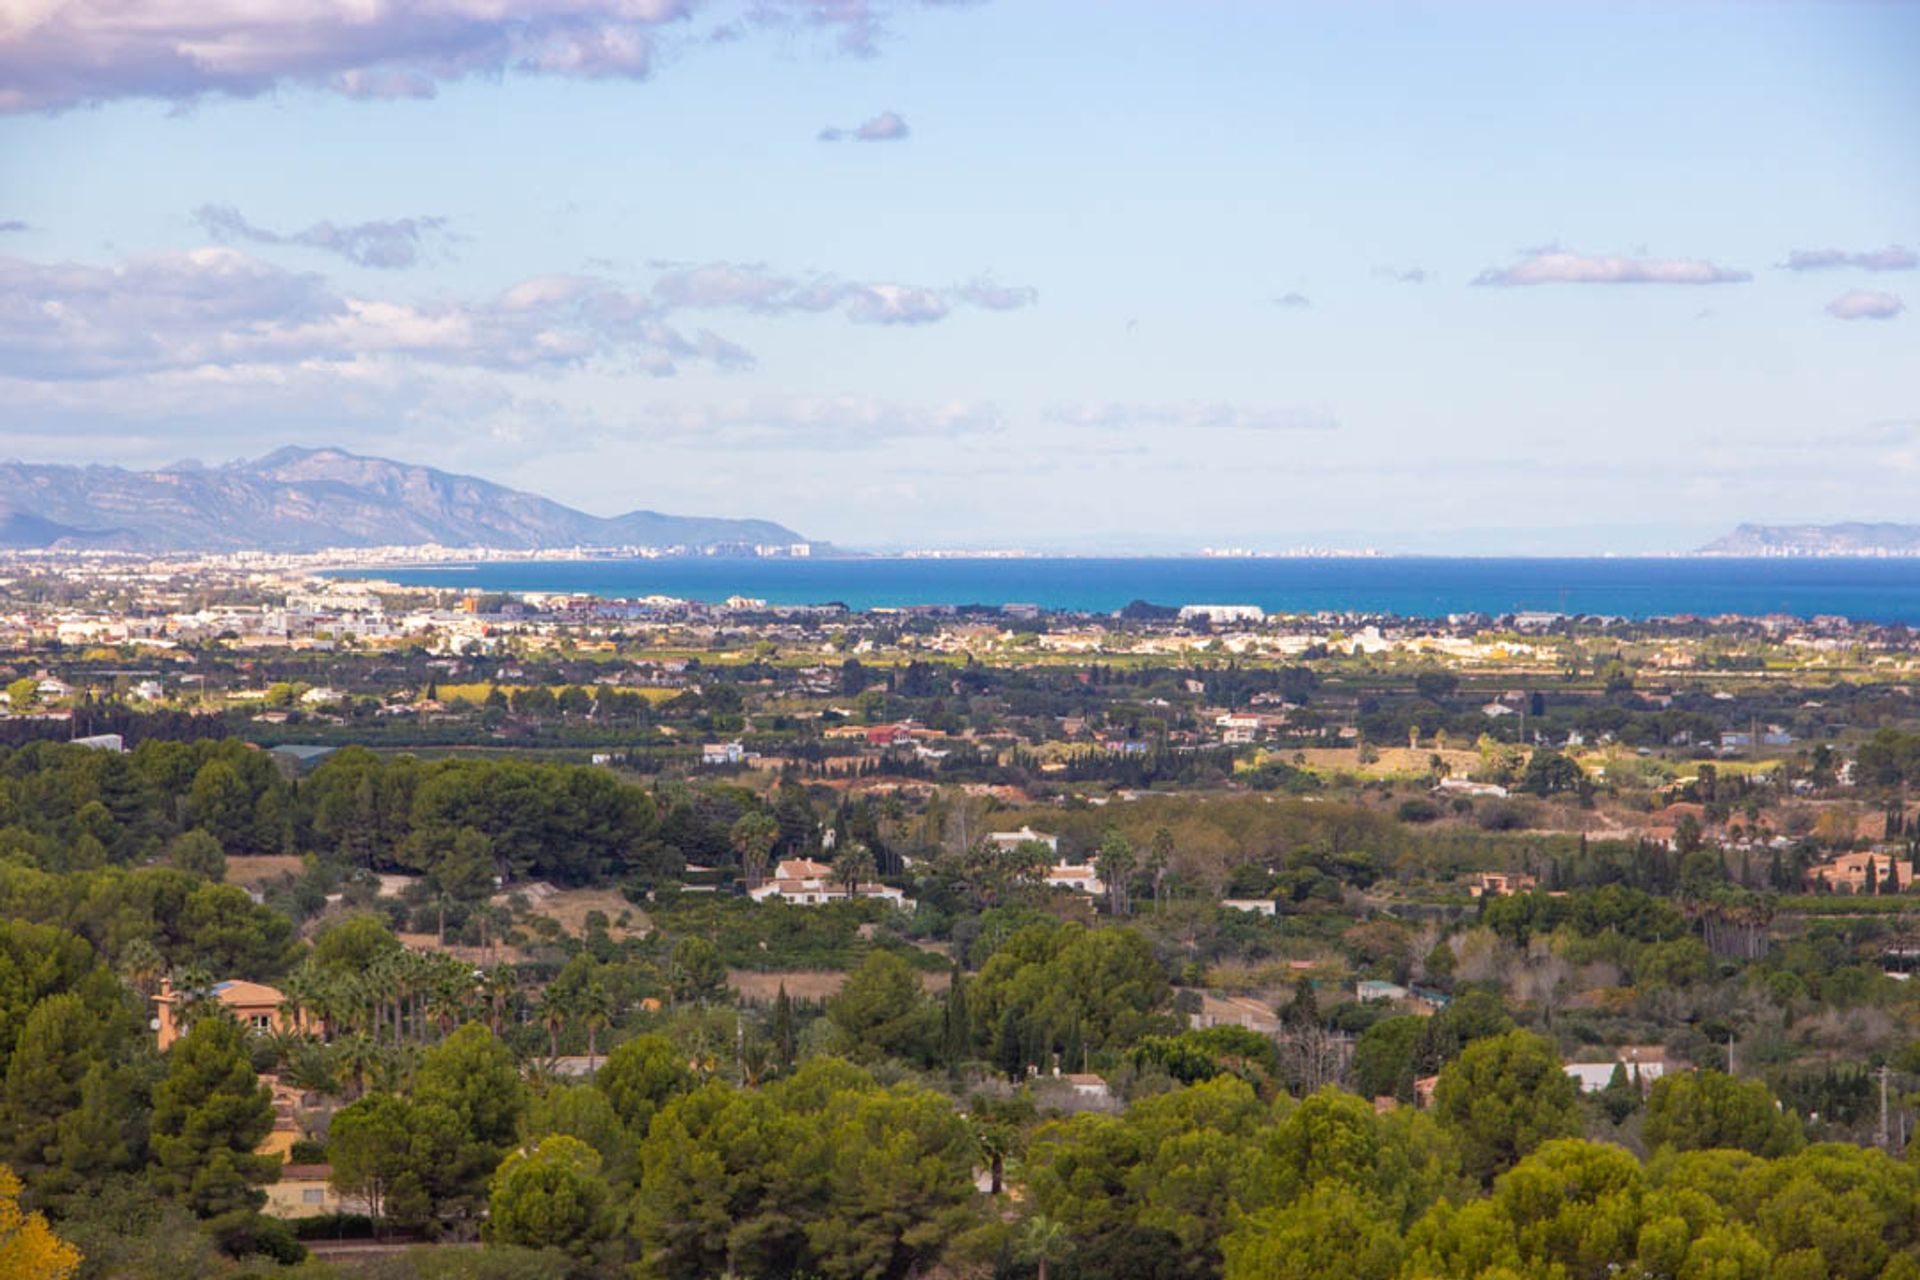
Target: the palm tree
(355, 993)
(310, 1070)
(1042, 1240)
(556, 1006)
(382, 979)
(355, 1058)
(995, 1145)
(331, 1003)
(1159, 859)
(753, 838)
(297, 994)
(595, 1012)
(411, 974)
(193, 991)
(449, 995)
(142, 965)
(285, 1042)
(392, 1068)
(499, 984)
(854, 864)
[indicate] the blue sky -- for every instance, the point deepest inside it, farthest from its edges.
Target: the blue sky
(1474, 277)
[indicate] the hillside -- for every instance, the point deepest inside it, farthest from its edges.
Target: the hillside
(1851, 539)
(308, 499)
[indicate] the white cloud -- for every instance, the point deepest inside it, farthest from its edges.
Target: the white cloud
(753, 287)
(1193, 415)
(1557, 266)
(56, 54)
(392, 243)
(807, 421)
(982, 291)
(1865, 304)
(1295, 301)
(896, 304)
(888, 126)
(221, 306)
(60, 54)
(1891, 258)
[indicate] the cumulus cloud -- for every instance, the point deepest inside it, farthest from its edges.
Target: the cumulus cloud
(60, 54)
(753, 287)
(1294, 300)
(857, 26)
(896, 304)
(982, 291)
(1865, 304)
(1892, 258)
(888, 126)
(811, 421)
(1193, 415)
(388, 244)
(1558, 266)
(63, 53)
(221, 306)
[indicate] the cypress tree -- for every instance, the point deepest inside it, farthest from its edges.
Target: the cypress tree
(956, 1028)
(783, 1027)
(1009, 1055)
(1304, 1011)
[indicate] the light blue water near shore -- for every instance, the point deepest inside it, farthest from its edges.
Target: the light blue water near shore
(1867, 590)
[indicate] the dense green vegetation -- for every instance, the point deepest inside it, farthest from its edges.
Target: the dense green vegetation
(671, 1080)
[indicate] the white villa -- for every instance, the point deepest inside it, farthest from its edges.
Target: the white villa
(1008, 841)
(807, 883)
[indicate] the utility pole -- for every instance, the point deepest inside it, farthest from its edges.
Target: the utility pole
(1729, 1053)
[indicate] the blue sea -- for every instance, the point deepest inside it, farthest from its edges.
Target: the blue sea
(1866, 590)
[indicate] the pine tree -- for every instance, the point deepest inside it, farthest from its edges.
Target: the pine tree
(208, 1115)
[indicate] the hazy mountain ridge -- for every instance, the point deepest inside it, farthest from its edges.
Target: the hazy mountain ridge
(307, 499)
(1852, 538)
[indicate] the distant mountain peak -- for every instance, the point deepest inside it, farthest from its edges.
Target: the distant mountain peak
(286, 453)
(306, 498)
(1851, 538)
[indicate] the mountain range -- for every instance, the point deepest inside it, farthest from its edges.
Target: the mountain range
(310, 499)
(1853, 539)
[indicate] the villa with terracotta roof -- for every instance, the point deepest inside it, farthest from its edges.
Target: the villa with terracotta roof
(254, 1005)
(1078, 877)
(807, 883)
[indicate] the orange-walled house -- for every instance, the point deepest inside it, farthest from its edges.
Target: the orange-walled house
(254, 1005)
(1848, 873)
(1499, 884)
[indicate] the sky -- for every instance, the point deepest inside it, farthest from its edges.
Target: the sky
(1059, 274)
